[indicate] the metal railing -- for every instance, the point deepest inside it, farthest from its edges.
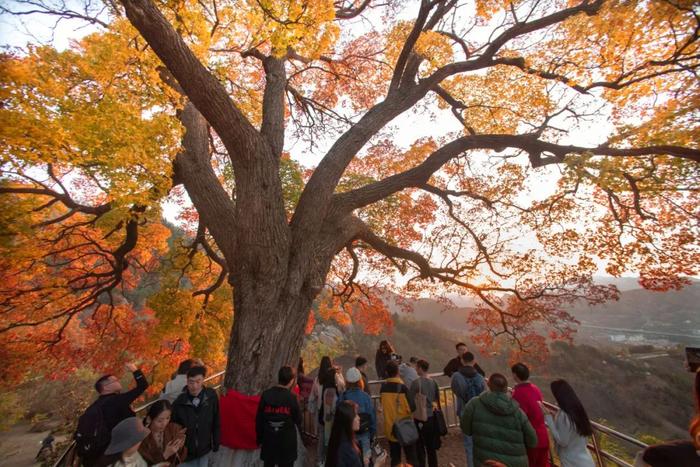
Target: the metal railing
(448, 403)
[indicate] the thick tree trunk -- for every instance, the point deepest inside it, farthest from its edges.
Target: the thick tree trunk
(264, 337)
(270, 315)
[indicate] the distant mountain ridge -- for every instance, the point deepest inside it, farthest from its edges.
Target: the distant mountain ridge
(637, 308)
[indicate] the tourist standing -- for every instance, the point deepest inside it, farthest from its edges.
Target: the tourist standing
(500, 430)
(529, 397)
(570, 426)
(165, 444)
(458, 362)
(361, 364)
(123, 449)
(407, 371)
(396, 405)
(428, 435)
(368, 421)
(343, 448)
(467, 383)
(277, 421)
(383, 356)
(112, 406)
(197, 410)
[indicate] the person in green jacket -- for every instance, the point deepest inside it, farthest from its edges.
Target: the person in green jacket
(499, 428)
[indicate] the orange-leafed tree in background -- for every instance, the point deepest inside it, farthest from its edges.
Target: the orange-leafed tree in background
(572, 141)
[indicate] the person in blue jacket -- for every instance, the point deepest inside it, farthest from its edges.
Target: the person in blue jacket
(368, 420)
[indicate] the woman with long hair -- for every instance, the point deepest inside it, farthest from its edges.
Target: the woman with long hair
(570, 426)
(368, 421)
(343, 450)
(325, 391)
(304, 383)
(166, 441)
(383, 356)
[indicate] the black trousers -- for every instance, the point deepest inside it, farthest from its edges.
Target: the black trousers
(426, 443)
(395, 453)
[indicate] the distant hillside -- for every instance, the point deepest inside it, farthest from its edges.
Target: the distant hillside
(673, 311)
(432, 311)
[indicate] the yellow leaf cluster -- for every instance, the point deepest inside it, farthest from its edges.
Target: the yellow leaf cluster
(433, 46)
(642, 48)
(305, 25)
(436, 48)
(98, 108)
(501, 101)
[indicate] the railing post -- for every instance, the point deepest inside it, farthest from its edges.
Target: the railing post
(596, 449)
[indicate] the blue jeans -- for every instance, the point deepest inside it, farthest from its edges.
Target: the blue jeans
(363, 441)
(198, 462)
(469, 450)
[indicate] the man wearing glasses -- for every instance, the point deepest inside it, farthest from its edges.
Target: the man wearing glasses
(111, 407)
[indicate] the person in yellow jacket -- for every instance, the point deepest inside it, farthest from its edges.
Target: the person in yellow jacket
(396, 404)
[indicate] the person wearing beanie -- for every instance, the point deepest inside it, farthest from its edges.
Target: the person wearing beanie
(123, 449)
(368, 420)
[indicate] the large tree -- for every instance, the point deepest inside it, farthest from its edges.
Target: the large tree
(572, 142)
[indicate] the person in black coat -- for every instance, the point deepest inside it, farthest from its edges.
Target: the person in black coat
(113, 406)
(277, 421)
(197, 410)
(383, 356)
(454, 365)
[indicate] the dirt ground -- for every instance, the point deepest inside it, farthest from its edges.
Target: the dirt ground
(451, 454)
(19, 446)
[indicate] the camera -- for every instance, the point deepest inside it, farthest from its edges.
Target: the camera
(395, 357)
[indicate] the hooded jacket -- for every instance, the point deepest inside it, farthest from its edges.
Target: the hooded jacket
(499, 429)
(202, 422)
(455, 364)
(467, 383)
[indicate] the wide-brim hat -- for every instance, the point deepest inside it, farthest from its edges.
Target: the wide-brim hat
(126, 434)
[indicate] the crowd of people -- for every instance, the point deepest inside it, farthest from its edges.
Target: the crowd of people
(501, 426)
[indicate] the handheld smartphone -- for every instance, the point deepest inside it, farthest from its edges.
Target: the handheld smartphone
(692, 356)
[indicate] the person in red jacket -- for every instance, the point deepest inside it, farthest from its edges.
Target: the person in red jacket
(529, 396)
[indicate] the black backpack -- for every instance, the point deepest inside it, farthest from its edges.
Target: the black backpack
(92, 435)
